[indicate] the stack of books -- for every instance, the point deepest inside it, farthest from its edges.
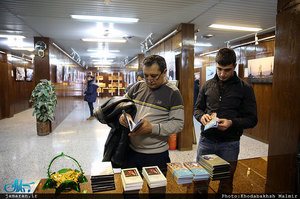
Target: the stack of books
(180, 173)
(154, 177)
(131, 180)
(216, 166)
(199, 172)
(102, 177)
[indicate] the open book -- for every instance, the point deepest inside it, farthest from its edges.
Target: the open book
(131, 125)
(213, 123)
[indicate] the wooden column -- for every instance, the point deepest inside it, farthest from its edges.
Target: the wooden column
(285, 106)
(186, 85)
(140, 61)
(42, 65)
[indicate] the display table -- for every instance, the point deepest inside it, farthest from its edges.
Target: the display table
(250, 177)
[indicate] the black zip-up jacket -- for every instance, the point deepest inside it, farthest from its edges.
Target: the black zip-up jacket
(233, 100)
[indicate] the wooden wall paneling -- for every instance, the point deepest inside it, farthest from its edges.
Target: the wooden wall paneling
(185, 137)
(3, 86)
(285, 107)
(176, 41)
(42, 69)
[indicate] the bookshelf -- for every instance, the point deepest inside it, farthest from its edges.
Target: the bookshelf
(110, 84)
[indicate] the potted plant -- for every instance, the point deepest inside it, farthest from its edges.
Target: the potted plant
(44, 102)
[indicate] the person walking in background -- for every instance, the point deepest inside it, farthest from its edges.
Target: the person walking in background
(91, 95)
(160, 106)
(233, 101)
(139, 77)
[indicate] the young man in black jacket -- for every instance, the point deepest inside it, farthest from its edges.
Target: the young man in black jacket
(233, 100)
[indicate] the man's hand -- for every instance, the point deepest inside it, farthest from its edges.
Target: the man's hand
(205, 119)
(122, 120)
(224, 124)
(145, 128)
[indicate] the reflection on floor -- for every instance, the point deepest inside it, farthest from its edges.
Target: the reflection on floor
(24, 155)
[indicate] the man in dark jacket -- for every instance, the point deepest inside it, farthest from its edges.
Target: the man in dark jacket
(91, 95)
(233, 101)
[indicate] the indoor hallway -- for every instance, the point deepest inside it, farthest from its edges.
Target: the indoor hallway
(24, 155)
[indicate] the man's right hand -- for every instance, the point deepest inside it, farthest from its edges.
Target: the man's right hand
(122, 120)
(205, 119)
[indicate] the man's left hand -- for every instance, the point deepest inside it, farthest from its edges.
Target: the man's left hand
(145, 128)
(224, 124)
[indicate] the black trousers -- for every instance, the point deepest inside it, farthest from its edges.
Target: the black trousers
(91, 106)
(139, 160)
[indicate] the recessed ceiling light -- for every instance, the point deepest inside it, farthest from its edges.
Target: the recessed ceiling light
(104, 40)
(98, 50)
(207, 36)
(105, 19)
(228, 27)
(23, 48)
(203, 44)
(12, 36)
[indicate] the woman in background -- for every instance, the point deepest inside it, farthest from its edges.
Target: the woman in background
(91, 95)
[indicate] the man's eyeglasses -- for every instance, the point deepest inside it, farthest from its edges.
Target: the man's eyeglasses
(152, 77)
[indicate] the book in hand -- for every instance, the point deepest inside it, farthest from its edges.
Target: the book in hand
(131, 179)
(131, 125)
(180, 173)
(199, 172)
(154, 177)
(213, 123)
(102, 177)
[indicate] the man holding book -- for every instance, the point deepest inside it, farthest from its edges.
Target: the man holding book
(160, 108)
(225, 106)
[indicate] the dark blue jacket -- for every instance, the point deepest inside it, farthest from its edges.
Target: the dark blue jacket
(91, 92)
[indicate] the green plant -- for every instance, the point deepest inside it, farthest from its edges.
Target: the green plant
(44, 101)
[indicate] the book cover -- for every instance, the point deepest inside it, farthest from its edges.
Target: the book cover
(154, 177)
(131, 176)
(214, 161)
(101, 169)
(180, 173)
(196, 169)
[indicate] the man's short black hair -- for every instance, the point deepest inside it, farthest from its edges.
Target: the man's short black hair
(152, 59)
(226, 56)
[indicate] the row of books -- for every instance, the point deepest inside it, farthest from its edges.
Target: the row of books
(184, 173)
(210, 166)
(132, 180)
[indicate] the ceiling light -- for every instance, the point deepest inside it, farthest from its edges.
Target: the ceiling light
(12, 36)
(104, 66)
(105, 19)
(98, 60)
(104, 40)
(23, 48)
(203, 44)
(234, 27)
(98, 50)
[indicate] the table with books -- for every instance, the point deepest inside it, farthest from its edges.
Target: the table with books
(187, 177)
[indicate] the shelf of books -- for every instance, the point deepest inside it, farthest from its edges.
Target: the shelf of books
(110, 84)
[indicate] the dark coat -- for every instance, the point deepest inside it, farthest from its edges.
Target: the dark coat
(235, 101)
(91, 92)
(117, 143)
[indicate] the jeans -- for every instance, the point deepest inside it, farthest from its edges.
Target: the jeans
(228, 151)
(91, 106)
